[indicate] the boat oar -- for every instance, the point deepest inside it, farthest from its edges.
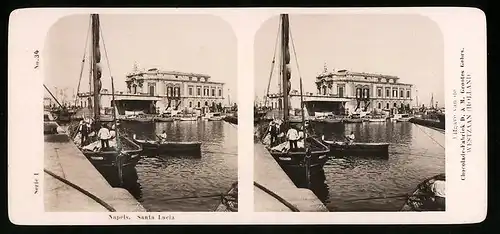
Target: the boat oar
(384, 197)
(192, 197)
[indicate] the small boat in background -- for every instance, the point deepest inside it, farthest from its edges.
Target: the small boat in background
(422, 197)
(172, 148)
(401, 117)
(377, 119)
(354, 118)
(231, 118)
(163, 118)
(340, 149)
(142, 118)
(188, 118)
(215, 117)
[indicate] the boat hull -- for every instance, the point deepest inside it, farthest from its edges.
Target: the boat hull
(215, 119)
(296, 159)
(353, 120)
(108, 159)
(419, 200)
(172, 148)
(229, 201)
(377, 120)
(379, 150)
(188, 119)
(163, 119)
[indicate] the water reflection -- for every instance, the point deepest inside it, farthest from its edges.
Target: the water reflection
(166, 177)
(415, 153)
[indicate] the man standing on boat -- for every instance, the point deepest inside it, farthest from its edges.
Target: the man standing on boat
(84, 132)
(273, 132)
(104, 135)
(293, 137)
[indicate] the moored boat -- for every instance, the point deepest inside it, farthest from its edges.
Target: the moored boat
(295, 158)
(377, 119)
(107, 157)
(422, 197)
(173, 148)
(341, 149)
(354, 118)
(401, 118)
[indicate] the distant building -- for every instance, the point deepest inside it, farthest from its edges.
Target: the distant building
(154, 91)
(177, 90)
(345, 92)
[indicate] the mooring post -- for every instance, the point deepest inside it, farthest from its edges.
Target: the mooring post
(119, 164)
(308, 167)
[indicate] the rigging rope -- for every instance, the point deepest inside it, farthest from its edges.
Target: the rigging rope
(301, 89)
(119, 159)
(272, 65)
(280, 199)
(83, 61)
(80, 189)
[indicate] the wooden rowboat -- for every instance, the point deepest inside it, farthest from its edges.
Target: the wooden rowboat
(340, 149)
(421, 198)
(172, 148)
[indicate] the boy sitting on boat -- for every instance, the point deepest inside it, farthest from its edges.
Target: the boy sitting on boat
(163, 136)
(350, 138)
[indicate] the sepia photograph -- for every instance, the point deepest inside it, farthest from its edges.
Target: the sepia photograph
(349, 114)
(360, 116)
(140, 114)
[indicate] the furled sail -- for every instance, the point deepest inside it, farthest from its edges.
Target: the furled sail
(286, 52)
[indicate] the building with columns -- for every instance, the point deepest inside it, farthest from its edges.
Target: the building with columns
(176, 90)
(347, 92)
(155, 91)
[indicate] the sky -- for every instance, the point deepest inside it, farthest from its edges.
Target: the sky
(408, 46)
(187, 43)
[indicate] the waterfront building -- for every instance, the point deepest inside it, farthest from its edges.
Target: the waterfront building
(154, 91)
(347, 92)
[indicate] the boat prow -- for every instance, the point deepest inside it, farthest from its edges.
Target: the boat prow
(420, 199)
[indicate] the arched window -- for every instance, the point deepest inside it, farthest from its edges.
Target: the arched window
(190, 104)
(402, 105)
(324, 90)
(380, 105)
(387, 106)
(206, 103)
(198, 104)
(395, 105)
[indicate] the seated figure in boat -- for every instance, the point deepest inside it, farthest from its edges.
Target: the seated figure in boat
(163, 136)
(437, 187)
(350, 138)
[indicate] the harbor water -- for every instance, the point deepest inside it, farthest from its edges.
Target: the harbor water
(415, 153)
(158, 179)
